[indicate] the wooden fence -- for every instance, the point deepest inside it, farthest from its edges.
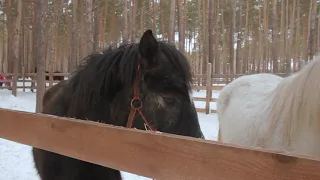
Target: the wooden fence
(150, 154)
(25, 78)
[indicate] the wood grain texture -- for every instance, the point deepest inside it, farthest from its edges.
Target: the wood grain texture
(204, 110)
(213, 88)
(150, 154)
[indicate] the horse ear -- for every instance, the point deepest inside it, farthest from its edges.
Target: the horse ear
(148, 47)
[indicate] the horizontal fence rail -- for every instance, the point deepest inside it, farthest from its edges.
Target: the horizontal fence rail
(154, 155)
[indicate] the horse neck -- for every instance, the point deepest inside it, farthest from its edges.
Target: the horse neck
(295, 107)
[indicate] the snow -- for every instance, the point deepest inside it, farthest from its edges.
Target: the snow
(16, 162)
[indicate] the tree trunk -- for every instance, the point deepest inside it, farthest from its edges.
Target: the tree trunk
(10, 35)
(180, 26)
(239, 33)
(154, 16)
(318, 35)
(74, 37)
(104, 22)
(133, 20)
(142, 17)
(172, 21)
(274, 37)
(163, 32)
(260, 45)
(125, 21)
(16, 47)
(216, 40)
(224, 55)
(297, 48)
(266, 34)
(58, 8)
(200, 39)
(96, 25)
(292, 25)
(89, 25)
(41, 8)
(313, 9)
(231, 41)
(205, 37)
(210, 32)
(245, 56)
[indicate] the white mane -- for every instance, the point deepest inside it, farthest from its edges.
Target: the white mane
(297, 101)
(271, 112)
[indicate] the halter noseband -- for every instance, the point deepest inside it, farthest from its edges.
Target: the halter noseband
(136, 102)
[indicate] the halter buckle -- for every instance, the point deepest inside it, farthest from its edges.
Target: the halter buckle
(136, 103)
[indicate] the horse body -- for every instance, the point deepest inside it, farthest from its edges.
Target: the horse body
(53, 92)
(151, 77)
(271, 112)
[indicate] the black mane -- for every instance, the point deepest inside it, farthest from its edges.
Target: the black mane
(116, 67)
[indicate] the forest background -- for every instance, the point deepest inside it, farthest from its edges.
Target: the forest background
(236, 36)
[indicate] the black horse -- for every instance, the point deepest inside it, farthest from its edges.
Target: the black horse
(144, 85)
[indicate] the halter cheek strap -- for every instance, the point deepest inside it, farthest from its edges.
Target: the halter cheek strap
(136, 103)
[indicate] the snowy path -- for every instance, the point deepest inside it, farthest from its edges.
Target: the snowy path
(16, 161)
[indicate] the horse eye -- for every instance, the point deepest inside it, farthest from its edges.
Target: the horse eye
(169, 100)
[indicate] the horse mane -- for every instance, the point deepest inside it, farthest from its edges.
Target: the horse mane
(296, 101)
(114, 69)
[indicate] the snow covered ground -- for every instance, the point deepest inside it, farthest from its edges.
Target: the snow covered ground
(16, 161)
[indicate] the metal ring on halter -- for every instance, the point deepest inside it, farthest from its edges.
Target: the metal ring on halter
(136, 103)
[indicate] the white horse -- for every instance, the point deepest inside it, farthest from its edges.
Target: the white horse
(272, 112)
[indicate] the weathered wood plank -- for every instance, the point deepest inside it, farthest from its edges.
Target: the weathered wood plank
(154, 155)
(201, 110)
(204, 99)
(213, 88)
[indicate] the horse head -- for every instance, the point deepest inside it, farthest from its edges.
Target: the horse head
(143, 85)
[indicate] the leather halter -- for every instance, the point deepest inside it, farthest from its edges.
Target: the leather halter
(136, 103)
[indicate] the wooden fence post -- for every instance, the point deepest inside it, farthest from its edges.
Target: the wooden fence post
(14, 81)
(23, 79)
(50, 76)
(209, 87)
